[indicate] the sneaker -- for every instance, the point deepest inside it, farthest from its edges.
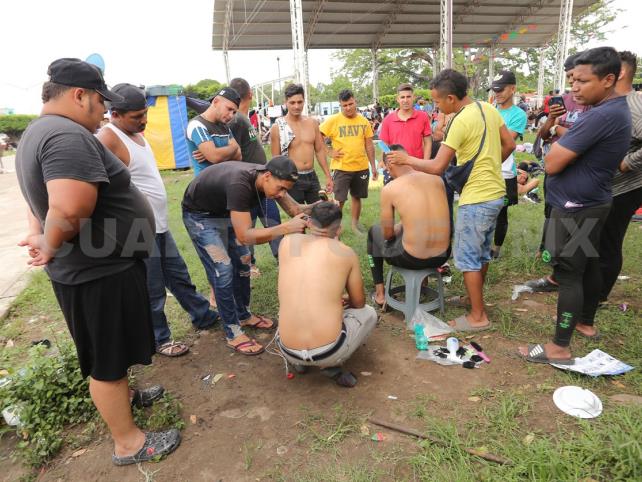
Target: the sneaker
(534, 197)
(525, 197)
(541, 285)
(156, 445)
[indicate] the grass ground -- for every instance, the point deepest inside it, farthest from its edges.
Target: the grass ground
(503, 419)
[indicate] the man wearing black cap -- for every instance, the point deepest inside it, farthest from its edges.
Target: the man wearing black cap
(165, 268)
(208, 134)
(90, 227)
(216, 212)
(503, 87)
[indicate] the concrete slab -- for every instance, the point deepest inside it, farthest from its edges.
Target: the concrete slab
(13, 226)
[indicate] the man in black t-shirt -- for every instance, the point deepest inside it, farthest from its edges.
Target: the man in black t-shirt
(580, 167)
(90, 227)
(252, 151)
(216, 212)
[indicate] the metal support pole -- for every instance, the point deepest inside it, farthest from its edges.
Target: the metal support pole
(296, 21)
(446, 34)
(226, 39)
(375, 76)
(226, 60)
(540, 78)
(491, 65)
(563, 40)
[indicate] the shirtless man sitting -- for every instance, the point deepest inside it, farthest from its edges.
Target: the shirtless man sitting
(315, 329)
(422, 238)
(298, 137)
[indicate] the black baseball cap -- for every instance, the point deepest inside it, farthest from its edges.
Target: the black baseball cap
(229, 93)
(284, 168)
(501, 80)
(133, 98)
(78, 73)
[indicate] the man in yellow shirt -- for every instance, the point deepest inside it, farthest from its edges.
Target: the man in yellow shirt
(482, 196)
(353, 154)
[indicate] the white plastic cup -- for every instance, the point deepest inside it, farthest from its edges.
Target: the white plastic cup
(452, 344)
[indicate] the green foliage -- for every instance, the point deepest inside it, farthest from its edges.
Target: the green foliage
(203, 89)
(50, 393)
(14, 124)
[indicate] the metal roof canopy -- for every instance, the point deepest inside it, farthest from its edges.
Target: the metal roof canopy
(438, 24)
(265, 24)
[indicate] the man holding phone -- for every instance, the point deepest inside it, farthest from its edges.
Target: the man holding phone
(580, 168)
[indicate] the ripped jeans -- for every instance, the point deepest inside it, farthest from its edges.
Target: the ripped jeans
(227, 266)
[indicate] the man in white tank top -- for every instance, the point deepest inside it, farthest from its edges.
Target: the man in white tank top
(165, 268)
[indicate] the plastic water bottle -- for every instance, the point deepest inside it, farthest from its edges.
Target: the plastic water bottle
(421, 342)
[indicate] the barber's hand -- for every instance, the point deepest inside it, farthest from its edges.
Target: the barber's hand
(297, 224)
(329, 185)
(399, 158)
(198, 155)
(39, 253)
(556, 111)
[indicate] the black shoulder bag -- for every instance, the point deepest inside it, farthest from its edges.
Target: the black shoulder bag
(457, 176)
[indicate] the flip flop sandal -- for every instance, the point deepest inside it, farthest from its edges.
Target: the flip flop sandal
(146, 397)
(596, 337)
(460, 301)
(172, 349)
(156, 445)
(373, 298)
(260, 325)
(462, 324)
(239, 348)
(536, 354)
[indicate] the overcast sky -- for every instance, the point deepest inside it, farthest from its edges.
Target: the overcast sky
(155, 42)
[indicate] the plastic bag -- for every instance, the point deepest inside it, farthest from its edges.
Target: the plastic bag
(433, 326)
(430, 356)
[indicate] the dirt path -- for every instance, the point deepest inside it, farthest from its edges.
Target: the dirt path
(260, 407)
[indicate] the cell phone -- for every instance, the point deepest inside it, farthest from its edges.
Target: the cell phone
(557, 100)
(383, 146)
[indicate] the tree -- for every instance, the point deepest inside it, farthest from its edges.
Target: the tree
(14, 124)
(204, 89)
(417, 65)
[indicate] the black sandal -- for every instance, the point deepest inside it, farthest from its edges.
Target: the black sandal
(156, 445)
(146, 397)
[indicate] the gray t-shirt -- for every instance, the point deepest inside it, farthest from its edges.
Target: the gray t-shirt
(248, 140)
(121, 228)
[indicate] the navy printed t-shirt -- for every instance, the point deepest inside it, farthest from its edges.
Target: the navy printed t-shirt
(600, 138)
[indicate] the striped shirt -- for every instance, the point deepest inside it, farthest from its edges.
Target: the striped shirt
(628, 181)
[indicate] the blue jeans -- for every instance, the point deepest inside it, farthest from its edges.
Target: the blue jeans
(268, 212)
(227, 266)
(474, 231)
(166, 269)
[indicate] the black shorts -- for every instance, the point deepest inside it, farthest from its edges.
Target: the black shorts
(395, 254)
(354, 181)
(511, 191)
(306, 188)
(110, 322)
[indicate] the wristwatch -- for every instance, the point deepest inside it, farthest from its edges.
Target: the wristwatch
(553, 130)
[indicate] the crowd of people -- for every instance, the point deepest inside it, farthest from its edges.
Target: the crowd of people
(98, 216)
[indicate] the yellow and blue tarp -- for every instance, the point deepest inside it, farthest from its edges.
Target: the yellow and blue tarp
(166, 124)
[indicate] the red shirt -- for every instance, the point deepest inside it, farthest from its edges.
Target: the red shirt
(409, 133)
